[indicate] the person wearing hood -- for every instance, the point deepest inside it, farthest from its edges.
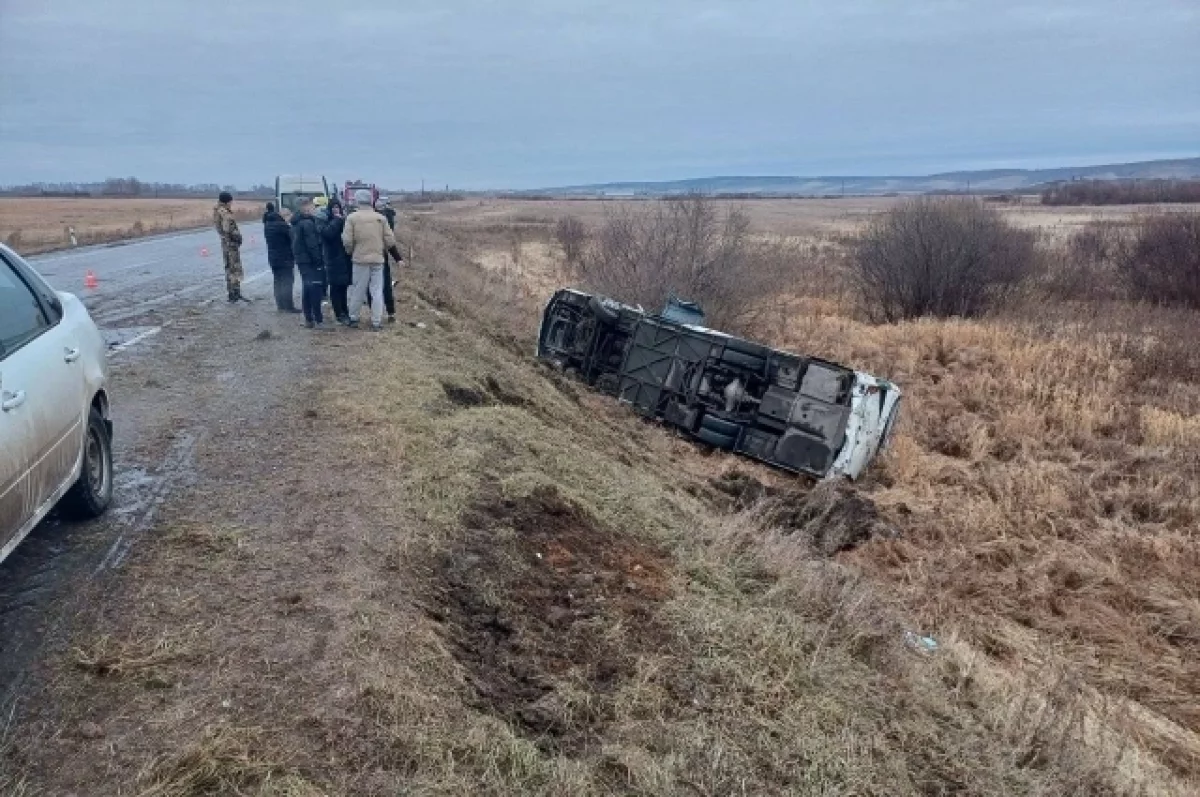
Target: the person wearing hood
(338, 270)
(384, 208)
(278, 235)
(310, 259)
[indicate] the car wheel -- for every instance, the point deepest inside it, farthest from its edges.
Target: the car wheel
(91, 494)
(741, 359)
(748, 347)
(720, 426)
(716, 440)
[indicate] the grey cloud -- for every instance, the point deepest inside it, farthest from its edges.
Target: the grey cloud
(537, 92)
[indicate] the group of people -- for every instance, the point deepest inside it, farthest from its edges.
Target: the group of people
(344, 254)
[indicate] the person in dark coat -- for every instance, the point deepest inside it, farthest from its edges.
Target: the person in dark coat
(389, 296)
(338, 268)
(278, 234)
(310, 259)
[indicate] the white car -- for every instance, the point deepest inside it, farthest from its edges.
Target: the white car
(55, 432)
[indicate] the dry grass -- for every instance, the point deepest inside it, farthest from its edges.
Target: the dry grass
(107, 657)
(224, 760)
(34, 224)
(788, 217)
(1045, 484)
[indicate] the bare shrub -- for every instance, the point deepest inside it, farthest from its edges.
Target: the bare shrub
(572, 236)
(689, 248)
(940, 257)
(1161, 262)
(1084, 268)
(14, 240)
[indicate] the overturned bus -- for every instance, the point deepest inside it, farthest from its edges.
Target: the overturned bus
(802, 414)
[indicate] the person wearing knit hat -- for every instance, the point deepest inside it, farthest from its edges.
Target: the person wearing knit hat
(367, 238)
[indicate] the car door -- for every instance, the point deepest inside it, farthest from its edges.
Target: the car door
(41, 411)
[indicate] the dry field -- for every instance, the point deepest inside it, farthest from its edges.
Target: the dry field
(787, 217)
(778, 216)
(1046, 479)
(498, 583)
(35, 224)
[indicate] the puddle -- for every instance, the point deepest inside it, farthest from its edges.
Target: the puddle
(135, 490)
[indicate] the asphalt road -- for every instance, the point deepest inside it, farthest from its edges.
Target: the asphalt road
(152, 274)
(173, 341)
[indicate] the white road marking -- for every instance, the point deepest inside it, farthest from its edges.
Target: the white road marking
(149, 333)
(121, 314)
(152, 331)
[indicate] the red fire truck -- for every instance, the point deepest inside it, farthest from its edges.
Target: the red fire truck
(351, 186)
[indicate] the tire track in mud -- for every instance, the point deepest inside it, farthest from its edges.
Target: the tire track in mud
(174, 472)
(138, 496)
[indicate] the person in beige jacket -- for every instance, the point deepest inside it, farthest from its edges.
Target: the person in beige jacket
(366, 238)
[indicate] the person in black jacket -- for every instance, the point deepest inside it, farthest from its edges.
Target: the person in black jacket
(338, 268)
(389, 296)
(310, 259)
(278, 234)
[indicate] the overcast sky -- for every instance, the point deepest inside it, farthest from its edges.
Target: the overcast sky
(529, 93)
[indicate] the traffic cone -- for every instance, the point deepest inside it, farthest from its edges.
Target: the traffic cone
(89, 280)
(204, 251)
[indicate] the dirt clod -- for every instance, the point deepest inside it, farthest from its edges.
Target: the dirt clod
(492, 391)
(504, 394)
(464, 395)
(523, 626)
(739, 490)
(90, 730)
(831, 517)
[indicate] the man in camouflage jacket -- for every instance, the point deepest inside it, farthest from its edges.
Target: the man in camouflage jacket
(231, 243)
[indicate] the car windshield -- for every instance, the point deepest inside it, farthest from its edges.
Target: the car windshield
(292, 201)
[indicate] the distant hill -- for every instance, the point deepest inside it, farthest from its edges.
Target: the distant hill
(987, 181)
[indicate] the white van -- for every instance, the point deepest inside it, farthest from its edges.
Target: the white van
(290, 189)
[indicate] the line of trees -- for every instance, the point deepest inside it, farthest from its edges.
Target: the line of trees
(132, 187)
(1121, 192)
